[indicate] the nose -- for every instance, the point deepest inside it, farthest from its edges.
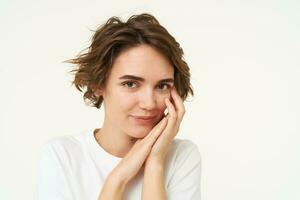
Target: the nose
(147, 99)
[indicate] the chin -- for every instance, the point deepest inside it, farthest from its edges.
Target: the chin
(140, 132)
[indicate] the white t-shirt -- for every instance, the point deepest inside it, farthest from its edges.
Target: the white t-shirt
(75, 168)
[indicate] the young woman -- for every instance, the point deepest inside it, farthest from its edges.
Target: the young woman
(136, 69)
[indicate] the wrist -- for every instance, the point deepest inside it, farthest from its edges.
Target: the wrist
(156, 164)
(116, 180)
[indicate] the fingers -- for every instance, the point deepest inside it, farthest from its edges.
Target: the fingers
(169, 124)
(175, 111)
(156, 131)
(178, 103)
(134, 159)
(172, 119)
(172, 115)
(144, 146)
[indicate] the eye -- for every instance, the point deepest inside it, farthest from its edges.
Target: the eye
(164, 86)
(129, 84)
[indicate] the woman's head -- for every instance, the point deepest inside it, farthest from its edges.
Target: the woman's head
(94, 67)
(139, 81)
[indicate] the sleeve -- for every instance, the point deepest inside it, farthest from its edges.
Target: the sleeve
(186, 180)
(52, 181)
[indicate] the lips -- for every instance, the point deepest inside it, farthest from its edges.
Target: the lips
(144, 117)
(144, 120)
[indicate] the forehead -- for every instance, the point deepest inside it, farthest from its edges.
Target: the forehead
(144, 61)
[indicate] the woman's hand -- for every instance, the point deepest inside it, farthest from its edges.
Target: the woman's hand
(175, 115)
(135, 158)
(154, 146)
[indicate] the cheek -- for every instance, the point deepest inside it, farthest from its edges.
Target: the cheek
(161, 102)
(118, 102)
(125, 101)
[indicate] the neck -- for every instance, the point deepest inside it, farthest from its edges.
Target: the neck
(113, 140)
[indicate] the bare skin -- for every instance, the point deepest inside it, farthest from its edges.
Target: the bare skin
(141, 83)
(125, 96)
(149, 151)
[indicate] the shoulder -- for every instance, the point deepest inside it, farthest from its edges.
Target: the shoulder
(63, 146)
(183, 175)
(182, 151)
(179, 143)
(184, 147)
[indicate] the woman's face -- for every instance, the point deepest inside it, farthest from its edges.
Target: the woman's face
(140, 79)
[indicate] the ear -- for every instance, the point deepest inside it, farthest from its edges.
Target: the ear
(98, 92)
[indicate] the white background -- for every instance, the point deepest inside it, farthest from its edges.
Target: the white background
(245, 65)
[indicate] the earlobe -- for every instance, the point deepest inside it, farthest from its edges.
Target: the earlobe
(98, 92)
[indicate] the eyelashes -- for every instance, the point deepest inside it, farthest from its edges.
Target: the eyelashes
(128, 83)
(134, 84)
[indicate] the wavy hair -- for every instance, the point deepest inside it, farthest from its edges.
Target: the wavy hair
(93, 67)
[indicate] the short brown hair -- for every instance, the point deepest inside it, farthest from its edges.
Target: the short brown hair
(113, 37)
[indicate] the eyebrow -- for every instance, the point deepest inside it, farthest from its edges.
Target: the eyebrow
(132, 77)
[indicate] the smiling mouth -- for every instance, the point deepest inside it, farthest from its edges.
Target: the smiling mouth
(144, 120)
(144, 117)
